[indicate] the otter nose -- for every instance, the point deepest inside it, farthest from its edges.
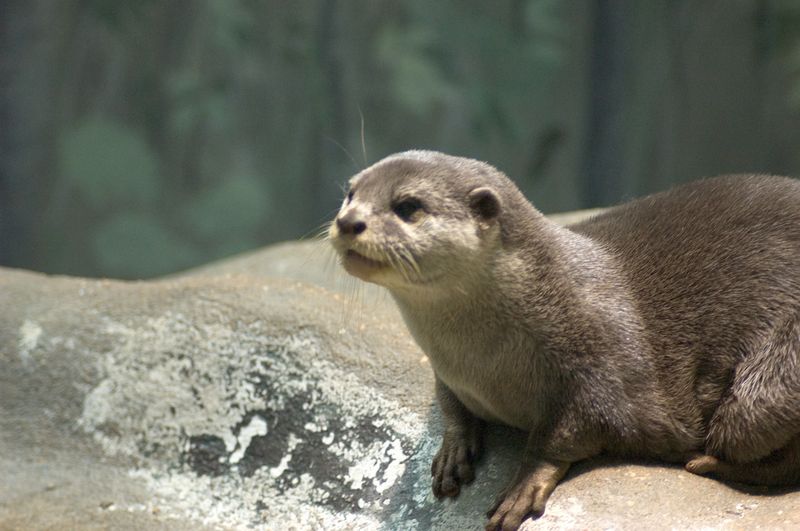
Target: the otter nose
(350, 224)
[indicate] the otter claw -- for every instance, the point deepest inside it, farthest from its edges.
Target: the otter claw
(515, 505)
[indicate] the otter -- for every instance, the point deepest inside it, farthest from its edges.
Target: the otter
(664, 328)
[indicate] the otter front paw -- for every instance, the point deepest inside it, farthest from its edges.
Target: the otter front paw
(515, 505)
(453, 464)
(527, 495)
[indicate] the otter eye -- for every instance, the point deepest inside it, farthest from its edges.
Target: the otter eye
(407, 208)
(349, 196)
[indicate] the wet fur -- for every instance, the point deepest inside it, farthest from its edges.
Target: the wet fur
(667, 327)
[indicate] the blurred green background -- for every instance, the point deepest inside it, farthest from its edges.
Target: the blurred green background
(142, 137)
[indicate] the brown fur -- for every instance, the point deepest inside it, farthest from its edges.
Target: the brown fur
(667, 327)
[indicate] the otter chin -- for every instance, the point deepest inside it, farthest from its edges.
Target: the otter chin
(664, 328)
(362, 267)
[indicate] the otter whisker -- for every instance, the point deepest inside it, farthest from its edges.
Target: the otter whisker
(356, 165)
(408, 262)
(354, 302)
(320, 231)
(403, 262)
(331, 266)
(409, 256)
(397, 263)
(323, 232)
(363, 141)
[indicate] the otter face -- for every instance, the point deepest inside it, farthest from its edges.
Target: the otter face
(411, 221)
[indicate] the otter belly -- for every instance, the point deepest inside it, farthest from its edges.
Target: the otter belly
(498, 401)
(480, 409)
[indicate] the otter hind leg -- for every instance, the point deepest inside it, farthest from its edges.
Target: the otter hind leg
(782, 467)
(761, 411)
(754, 434)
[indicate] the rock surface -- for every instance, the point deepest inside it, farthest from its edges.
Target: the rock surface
(268, 392)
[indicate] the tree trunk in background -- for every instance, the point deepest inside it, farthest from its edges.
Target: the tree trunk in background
(16, 161)
(332, 134)
(711, 96)
(605, 132)
(678, 91)
(6, 142)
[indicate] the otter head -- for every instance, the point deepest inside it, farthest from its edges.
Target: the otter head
(420, 220)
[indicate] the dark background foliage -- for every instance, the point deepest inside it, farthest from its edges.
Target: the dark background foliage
(139, 138)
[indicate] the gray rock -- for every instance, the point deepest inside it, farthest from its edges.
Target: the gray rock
(267, 391)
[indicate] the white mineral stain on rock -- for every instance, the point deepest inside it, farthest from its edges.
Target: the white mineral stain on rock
(277, 471)
(230, 441)
(364, 469)
(369, 462)
(257, 426)
(166, 378)
(229, 502)
(312, 427)
(29, 334)
(395, 469)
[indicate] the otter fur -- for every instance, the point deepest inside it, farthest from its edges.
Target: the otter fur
(667, 327)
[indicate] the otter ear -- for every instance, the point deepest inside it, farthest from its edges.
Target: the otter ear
(484, 203)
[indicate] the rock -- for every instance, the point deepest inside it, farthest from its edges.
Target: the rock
(261, 392)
